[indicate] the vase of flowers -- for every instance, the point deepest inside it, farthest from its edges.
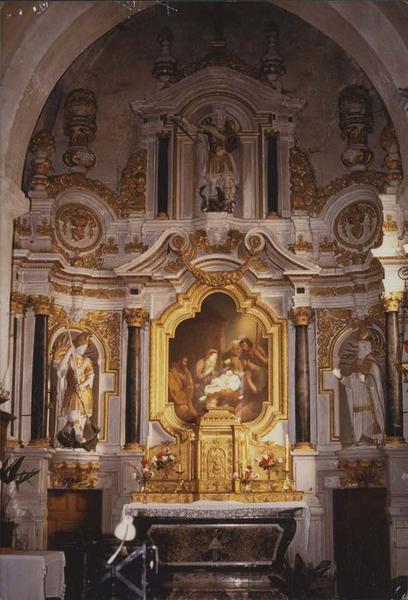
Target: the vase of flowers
(269, 463)
(143, 474)
(248, 476)
(164, 460)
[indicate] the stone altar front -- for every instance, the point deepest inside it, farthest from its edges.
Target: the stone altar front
(212, 544)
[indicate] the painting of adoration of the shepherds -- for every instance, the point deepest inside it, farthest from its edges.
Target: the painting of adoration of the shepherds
(218, 358)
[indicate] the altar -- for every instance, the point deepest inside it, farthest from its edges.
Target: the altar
(213, 544)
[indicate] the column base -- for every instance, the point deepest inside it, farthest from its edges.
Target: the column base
(133, 446)
(41, 443)
(395, 442)
(304, 446)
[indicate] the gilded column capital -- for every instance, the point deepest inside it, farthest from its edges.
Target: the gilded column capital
(41, 304)
(300, 315)
(18, 303)
(135, 316)
(392, 300)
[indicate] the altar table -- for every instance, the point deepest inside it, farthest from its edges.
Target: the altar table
(35, 575)
(230, 533)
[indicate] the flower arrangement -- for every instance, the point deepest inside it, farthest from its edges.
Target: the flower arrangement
(268, 462)
(164, 459)
(143, 475)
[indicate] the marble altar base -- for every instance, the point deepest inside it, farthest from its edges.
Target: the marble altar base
(219, 544)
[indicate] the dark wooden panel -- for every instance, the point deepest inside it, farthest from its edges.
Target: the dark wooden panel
(74, 511)
(361, 543)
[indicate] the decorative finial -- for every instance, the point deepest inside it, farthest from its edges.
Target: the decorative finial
(356, 122)
(165, 65)
(80, 125)
(272, 61)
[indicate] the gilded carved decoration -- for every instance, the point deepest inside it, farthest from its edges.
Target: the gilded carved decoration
(18, 303)
(392, 159)
(104, 324)
(200, 240)
(330, 322)
(392, 301)
(389, 225)
(326, 245)
(135, 246)
(78, 228)
(357, 225)
(41, 304)
(74, 475)
(362, 472)
(216, 278)
(44, 229)
(23, 227)
(102, 293)
(357, 228)
(127, 201)
(301, 315)
(59, 183)
(42, 144)
(133, 184)
(110, 247)
(305, 194)
(301, 245)
(135, 317)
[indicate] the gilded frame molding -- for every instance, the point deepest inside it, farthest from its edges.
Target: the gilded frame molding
(187, 305)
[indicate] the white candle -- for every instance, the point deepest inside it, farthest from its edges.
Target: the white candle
(287, 453)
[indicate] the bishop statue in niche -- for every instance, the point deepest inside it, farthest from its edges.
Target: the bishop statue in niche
(74, 386)
(218, 359)
(216, 143)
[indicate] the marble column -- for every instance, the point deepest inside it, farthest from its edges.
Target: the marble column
(133, 399)
(393, 374)
(18, 311)
(13, 204)
(39, 389)
(301, 317)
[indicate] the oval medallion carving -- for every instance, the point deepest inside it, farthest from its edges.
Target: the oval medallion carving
(78, 228)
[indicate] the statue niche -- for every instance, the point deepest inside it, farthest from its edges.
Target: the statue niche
(216, 144)
(361, 388)
(74, 391)
(219, 358)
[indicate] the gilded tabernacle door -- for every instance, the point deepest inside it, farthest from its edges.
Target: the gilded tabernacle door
(218, 384)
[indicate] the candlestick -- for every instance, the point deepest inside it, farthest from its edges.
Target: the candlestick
(147, 446)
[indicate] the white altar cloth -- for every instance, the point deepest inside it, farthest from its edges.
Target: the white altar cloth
(35, 575)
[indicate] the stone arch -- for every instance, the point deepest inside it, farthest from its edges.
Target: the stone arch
(30, 74)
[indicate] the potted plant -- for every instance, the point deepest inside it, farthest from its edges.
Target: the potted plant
(11, 477)
(300, 580)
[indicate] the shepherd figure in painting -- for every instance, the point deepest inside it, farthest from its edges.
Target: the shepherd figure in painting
(181, 389)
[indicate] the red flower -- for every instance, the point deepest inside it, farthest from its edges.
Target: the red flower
(144, 462)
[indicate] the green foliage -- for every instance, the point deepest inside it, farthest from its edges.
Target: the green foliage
(296, 581)
(10, 471)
